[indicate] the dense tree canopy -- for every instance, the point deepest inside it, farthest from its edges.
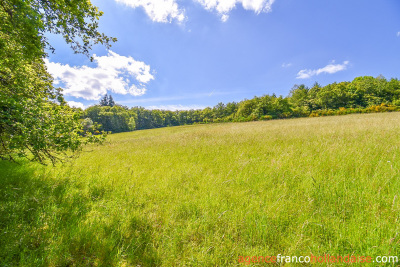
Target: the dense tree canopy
(363, 94)
(34, 120)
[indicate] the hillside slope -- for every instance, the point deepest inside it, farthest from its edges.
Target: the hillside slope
(204, 195)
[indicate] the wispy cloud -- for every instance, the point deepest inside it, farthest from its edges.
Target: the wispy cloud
(223, 7)
(157, 100)
(398, 34)
(176, 107)
(158, 10)
(331, 68)
(115, 73)
(286, 65)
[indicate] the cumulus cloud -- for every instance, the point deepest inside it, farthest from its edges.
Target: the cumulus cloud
(115, 73)
(223, 7)
(75, 104)
(169, 10)
(331, 68)
(158, 10)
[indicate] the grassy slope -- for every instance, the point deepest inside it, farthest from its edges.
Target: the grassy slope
(203, 195)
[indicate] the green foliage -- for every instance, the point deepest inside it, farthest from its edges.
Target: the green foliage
(299, 95)
(26, 23)
(362, 95)
(87, 125)
(111, 119)
(132, 124)
(34, 120)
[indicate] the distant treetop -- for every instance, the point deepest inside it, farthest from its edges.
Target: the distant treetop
(107, 100)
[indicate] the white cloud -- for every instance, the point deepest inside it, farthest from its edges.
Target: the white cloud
(286, 65)
(223, 7)
(331, 68)
(176, 107)
(398, 34)
(113, 73)
(169, 10)
(158, 10)
(75, 104)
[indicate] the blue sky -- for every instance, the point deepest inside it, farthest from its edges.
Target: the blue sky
(195, 53)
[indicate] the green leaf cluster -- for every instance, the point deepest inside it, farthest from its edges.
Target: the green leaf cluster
(35, 121)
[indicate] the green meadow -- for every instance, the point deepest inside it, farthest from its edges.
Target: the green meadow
(203, 195)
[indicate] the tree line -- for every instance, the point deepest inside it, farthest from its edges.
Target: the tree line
(363, 94)
(36, 122)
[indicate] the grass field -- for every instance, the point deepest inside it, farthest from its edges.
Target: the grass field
(204, 195)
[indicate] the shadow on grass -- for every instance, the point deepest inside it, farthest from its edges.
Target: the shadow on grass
(61, 223)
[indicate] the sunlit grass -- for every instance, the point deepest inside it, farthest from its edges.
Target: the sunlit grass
(204, 195)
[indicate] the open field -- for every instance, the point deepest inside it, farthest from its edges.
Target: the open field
(204, 195)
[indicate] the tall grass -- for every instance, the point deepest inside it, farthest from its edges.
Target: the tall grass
(204, 195)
